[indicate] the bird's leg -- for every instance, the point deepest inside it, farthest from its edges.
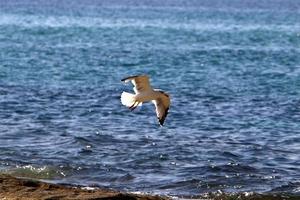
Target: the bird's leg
(134, 105)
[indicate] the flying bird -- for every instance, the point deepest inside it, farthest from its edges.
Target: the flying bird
(144, 93)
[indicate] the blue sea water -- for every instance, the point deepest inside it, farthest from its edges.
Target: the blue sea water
(232, 69)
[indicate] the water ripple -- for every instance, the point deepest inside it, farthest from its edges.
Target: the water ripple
(232, 72)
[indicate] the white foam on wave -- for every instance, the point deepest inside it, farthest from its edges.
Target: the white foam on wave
(41, 172)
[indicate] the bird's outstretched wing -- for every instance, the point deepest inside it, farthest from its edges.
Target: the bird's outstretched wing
(141, 83)
(162, 106)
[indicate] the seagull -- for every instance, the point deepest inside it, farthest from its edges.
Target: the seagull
(145, 93)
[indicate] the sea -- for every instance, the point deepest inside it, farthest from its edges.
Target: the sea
(231, 67)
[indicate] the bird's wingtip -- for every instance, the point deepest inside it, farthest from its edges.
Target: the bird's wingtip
(124, 79)
(132, 77)
(161, 122)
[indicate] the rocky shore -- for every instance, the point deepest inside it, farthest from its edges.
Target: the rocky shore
(12, 188)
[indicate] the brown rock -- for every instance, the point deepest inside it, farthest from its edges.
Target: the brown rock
(12, 188)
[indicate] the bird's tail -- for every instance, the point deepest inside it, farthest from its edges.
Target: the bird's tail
(127, 99)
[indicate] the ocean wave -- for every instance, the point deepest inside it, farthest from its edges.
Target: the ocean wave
(37, 172)
(32, 21)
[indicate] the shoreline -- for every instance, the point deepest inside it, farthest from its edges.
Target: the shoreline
(14, 188)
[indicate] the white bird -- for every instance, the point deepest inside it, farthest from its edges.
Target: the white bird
(144, 93)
